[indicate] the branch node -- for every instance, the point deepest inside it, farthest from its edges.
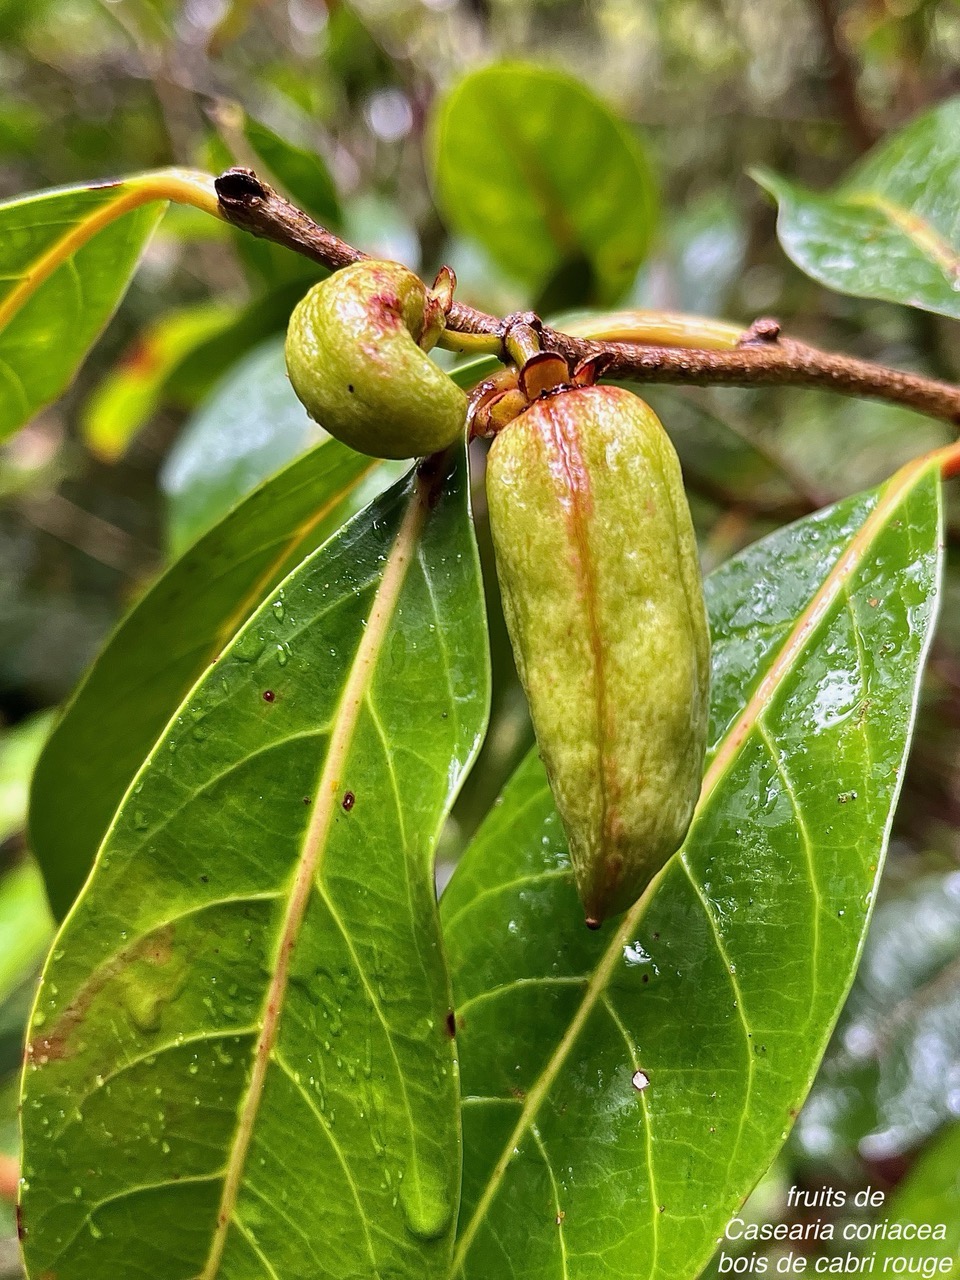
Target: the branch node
(762, 332)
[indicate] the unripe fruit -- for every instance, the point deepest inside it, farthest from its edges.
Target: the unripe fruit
(603, 598)
(356, 355)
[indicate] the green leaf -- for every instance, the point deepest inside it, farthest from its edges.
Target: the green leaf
(20, 748)
(240, 1063)
(66, 258)
(303, 174)
(534, 166)
(251, 425)
(890, 229)
(25, 925)
(266, 315)
(623, 1091)
(930, 1194)
(26, 928)
(167, 642)
(132, 391)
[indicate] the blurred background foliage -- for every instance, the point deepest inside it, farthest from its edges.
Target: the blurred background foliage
(184, 405)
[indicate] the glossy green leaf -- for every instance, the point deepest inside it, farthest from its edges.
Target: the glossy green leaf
(240, 1064)
(250, 425)
(66, 258)
(890, 229)
(624, 1091)
(166, 643)
(131, 392)
(534, 166)
(930, 1194)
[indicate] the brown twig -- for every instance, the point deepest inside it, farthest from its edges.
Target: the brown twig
(763, 358)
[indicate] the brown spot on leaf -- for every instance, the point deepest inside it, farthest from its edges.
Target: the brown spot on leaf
(451, 1023)
(348, 801)
(55, 1043)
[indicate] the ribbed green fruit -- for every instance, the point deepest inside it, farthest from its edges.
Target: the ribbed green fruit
(603, 598)
(357, 360)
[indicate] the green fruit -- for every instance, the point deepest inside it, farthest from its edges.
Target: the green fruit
(356, 355)
(604, 603)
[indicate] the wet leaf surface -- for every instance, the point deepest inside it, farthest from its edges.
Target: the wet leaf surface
(889, 230)
(624, 1091)
(166, 643)
(240, 1063)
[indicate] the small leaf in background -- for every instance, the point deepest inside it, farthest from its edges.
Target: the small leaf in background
(59, 287)
(646, 1076)
(127, 397)
(530, 163)
(891, 1078)
(20, 749)
(168, 640)
(251, 425)
(929, 1194)
(240, 1046)
(890, 229)
(267, 314)
(302, 174)
(26, 927)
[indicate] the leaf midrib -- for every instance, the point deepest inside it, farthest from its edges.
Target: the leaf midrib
(158, 187)
(312, 851)
(734, 740)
